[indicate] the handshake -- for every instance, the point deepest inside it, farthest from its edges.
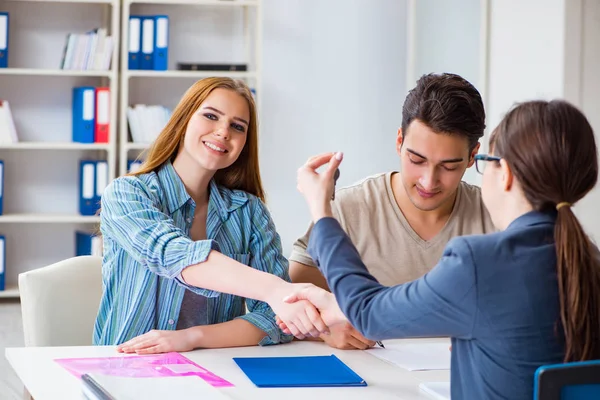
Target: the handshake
(306, 310)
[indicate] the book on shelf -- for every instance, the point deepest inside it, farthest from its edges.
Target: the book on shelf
(146, 121)
(8, 131)
(2, 262)
(88, 51)
(88, 244)
(182, 66)
(1, 187)
(93, 179)
(148, 46)
(91, 114)
(4, 18)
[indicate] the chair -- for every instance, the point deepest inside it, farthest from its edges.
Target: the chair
(568, 381)
(60, 302)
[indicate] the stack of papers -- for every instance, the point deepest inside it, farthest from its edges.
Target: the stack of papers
(127, 388)
(436, 390)
(415, 356)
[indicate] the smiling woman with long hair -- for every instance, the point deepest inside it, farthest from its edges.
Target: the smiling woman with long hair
(188, 237)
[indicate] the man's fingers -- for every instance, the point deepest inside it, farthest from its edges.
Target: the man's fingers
(316, 320)
(355, 334)
(359, 344)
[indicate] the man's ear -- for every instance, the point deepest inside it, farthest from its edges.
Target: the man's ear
(399, 141)
(507, 175)
(472, 155)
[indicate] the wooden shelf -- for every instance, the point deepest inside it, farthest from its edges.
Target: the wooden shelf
(54, 146)
(223, 3)
(49, 219)
(187, 74)
(11, 292)
(54, 72)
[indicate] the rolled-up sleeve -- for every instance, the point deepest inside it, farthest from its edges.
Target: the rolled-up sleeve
(132, 220)
(265, 255)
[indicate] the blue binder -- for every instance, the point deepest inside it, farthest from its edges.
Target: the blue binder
(2, 262)
(147, 61)
(101, 181)
(87, 244)
(87, 188)
(84, 114)
(133, 165)
(4, 39)
(310, 371)
(135, 41)
(161, 42)
(1, 187)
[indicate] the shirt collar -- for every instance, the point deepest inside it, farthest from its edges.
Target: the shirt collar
(175, 191)
(533, 218)
(222, 200)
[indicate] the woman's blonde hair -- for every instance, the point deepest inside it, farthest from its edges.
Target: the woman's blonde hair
(244, 173)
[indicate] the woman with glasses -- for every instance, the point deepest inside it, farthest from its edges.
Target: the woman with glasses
(512, 301)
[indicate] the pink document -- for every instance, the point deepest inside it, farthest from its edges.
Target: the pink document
(151, 366)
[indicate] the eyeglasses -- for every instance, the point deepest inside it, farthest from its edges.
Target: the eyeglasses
(480, 161)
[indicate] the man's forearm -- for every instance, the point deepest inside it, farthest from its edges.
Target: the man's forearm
(302, 273)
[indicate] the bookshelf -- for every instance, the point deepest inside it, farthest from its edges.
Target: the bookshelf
(41, 170)
(203, 31)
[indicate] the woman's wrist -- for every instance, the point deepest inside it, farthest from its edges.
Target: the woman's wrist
(195, 337)
(321, 211)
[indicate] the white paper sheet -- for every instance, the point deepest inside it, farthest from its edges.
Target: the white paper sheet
(178, 387)
(415, 356)
(436, 390)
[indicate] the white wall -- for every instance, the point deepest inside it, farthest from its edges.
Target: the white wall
(587, 209)
(333, 80)
(526, 54)
(445, 36)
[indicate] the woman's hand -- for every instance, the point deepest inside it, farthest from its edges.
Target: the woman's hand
(318, 188)
(156, 341)
(320, 298)
(300, 317)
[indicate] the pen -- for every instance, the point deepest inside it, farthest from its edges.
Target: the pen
(380, 344)
(336, 175)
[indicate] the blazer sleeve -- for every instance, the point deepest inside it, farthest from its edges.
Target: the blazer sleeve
(441, 303)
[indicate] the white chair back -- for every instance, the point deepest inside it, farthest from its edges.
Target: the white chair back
(60, 302)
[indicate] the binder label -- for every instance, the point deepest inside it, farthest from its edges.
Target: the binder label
(162, 27)
(101, 177)
(134, 35)
(88, 105)
(103, 104)
(88, 181)
(148, 36)
(96, 246)
(1, 255)
(3, 32)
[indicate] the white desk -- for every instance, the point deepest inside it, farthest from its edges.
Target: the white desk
(46, 380)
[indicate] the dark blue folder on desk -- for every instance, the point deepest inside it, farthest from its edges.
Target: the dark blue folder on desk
(310, 371)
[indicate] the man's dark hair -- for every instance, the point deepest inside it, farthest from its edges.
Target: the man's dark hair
(446, 103)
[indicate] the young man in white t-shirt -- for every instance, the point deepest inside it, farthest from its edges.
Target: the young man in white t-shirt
(401, 221)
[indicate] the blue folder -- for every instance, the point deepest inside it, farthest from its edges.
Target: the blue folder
(309, 371)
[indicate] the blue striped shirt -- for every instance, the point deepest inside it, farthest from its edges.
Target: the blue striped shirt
(145, 223)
